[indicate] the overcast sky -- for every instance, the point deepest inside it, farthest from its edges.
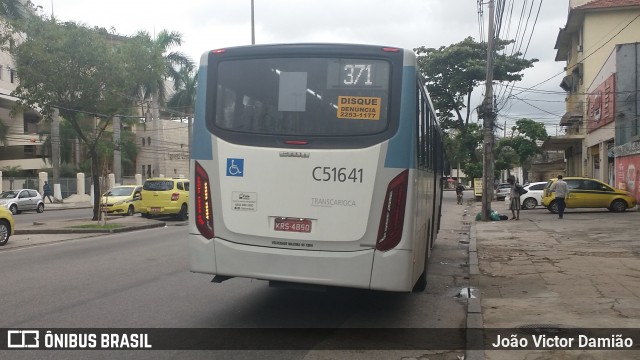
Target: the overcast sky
(211, 24)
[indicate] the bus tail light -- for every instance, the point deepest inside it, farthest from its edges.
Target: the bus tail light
(392, 218)
(204, 210)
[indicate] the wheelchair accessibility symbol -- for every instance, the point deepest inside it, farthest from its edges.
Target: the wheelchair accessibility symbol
(235, 167)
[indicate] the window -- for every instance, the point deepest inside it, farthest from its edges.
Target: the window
(180, 187)
(143, 141)
(12, 75)
(538, 186)
(1, 68)
(303, 96)
(149, 140)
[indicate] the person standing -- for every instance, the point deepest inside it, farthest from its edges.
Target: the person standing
(514, 194)
(562, 191)
(459, 193)
(46, 191)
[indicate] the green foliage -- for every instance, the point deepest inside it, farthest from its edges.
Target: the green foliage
(4, 132)
(521, 146)
(184, 98)
(452, 73)
(12, 171)
(159, 63)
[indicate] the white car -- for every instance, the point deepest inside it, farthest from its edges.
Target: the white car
(21, 200)
(533, 197)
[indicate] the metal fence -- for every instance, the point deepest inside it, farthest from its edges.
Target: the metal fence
(68, 186)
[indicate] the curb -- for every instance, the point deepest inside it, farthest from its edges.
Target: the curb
(90, 231)
(474, 308)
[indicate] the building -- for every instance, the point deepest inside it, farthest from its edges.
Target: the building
(21, 143)
(593, 30)
(163, 150)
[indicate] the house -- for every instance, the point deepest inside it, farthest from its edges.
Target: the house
(593, 30)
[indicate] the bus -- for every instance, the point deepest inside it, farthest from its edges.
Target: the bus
(314, 165)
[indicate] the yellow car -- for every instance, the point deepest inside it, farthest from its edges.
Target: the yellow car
(7, 225)
(123, 199)
(165, 196)
(589, 193)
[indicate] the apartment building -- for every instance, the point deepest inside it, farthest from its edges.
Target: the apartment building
(587, 44)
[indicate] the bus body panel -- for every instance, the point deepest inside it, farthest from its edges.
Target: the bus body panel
(331, 188)
(349, 268)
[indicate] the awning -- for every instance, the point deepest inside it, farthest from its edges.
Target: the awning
(567, 83)
(562, 142)
(570, 117)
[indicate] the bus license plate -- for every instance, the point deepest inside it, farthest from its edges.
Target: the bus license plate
(293, 225)
(155, 209)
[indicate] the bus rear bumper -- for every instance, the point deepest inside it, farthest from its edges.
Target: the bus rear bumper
(346, 269)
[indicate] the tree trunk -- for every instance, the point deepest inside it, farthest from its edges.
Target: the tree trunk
(95, 178)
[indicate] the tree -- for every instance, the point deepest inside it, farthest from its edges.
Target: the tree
(452, 74)
(12, 172)
(4, 132)
(519, 148)
(15, 9)
(160, 64)
(184, 97)
(73, 68)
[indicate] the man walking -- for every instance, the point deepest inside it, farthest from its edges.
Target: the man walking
(46, 192)
(562, 191)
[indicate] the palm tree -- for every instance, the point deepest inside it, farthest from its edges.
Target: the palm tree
(160, 65)
(184, 99)
(15, 9)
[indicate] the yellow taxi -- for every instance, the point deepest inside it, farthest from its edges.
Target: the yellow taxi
(588, 193)
(7, 225)
(165, 196)
(123, 199)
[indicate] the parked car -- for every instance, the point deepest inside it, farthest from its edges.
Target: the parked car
(125, 199)
(589, 193)
(7, 225)
(21, 200)
(502, 190)
(533, 197)
(165, 196)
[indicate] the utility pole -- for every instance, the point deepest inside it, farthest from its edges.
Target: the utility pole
(253, 30)
(488, 121)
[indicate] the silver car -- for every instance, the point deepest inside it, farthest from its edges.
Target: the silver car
(21, 200)
(502, 190)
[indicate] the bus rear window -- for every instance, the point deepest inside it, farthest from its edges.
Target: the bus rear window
(158, 185)
(303, 96)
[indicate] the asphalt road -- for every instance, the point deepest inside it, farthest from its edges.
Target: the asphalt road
(28, 217)
(141, 280)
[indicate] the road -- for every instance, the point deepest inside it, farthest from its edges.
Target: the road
(28, 217)
(141, 280)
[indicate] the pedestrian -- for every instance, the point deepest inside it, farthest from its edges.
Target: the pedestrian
(459, 193)
(562, 191)
(46, 191)
(514, 194)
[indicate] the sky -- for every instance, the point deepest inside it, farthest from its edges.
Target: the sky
(212, 24)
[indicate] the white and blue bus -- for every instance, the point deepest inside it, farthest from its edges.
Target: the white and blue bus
(317, 164)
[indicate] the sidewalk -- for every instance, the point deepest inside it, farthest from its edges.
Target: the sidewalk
(543, 272)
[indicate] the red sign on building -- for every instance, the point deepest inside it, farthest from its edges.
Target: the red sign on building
(601, 107)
